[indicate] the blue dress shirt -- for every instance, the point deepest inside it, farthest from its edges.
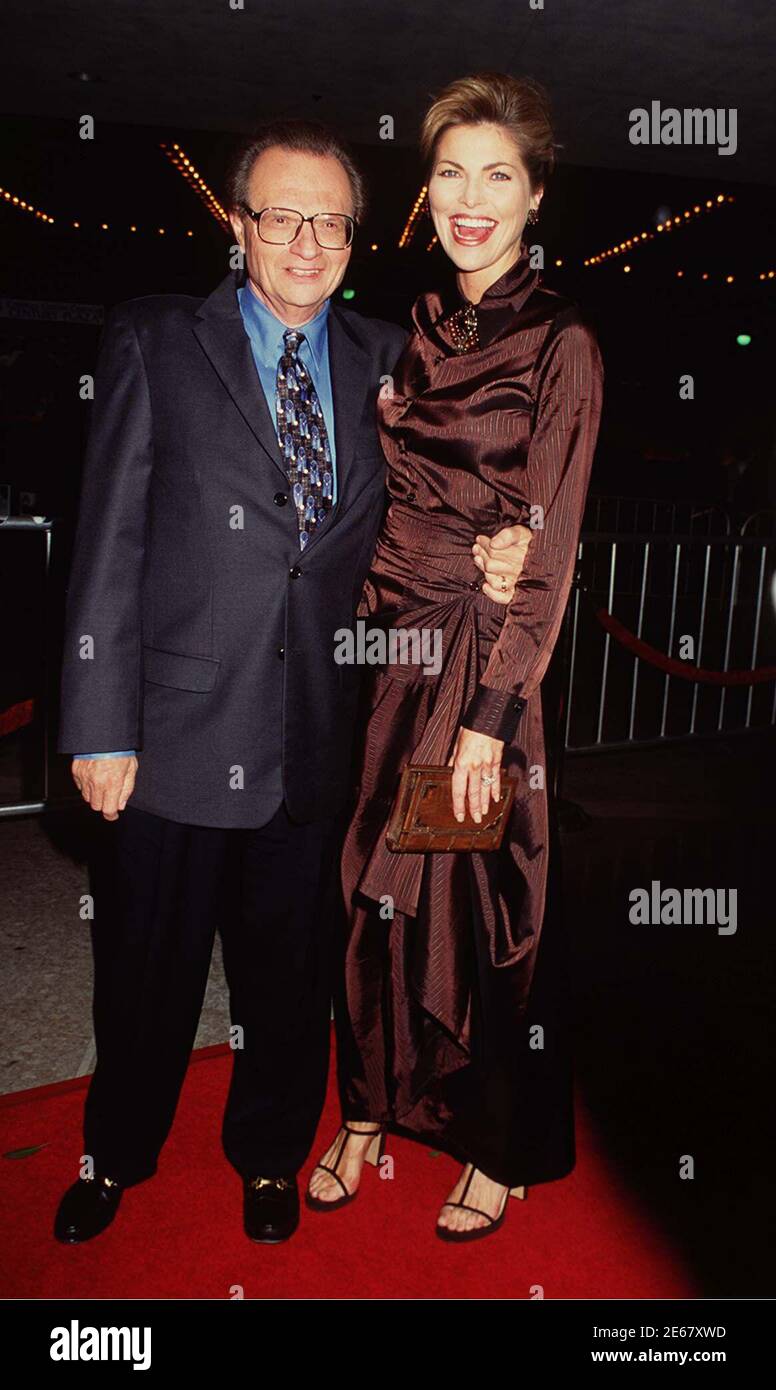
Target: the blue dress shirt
(265, 333)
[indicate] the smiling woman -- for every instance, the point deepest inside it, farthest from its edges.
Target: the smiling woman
(492, 419)
(488, 146)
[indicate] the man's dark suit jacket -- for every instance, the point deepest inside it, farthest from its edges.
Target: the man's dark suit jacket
(212, 635)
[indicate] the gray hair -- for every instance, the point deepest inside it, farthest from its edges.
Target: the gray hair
(300, 137)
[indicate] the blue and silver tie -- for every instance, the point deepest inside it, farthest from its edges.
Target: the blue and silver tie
(303, 440)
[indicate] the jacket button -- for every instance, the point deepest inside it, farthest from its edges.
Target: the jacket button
(281, 653)
(280, 499)
(411, 496)
(295, 572)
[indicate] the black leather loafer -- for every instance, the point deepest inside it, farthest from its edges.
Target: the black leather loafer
(86, 1209)
(270, 1209)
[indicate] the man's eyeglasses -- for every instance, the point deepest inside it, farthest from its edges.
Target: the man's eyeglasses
(280, 226)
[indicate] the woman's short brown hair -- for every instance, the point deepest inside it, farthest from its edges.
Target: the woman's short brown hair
(518, 104)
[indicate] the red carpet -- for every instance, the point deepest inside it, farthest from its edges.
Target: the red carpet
(180, 1235)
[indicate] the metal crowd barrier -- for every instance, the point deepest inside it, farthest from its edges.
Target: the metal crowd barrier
(634, 515)
(42, 526)
(717, 591)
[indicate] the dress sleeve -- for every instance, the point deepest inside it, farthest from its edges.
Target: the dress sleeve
(556, 478)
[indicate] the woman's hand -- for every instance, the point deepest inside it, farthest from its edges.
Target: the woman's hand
(476, 759)
(501, 559)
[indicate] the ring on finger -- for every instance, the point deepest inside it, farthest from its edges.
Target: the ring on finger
(487, 781)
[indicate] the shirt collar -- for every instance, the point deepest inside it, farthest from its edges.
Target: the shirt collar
(266, 330)
(495, 314)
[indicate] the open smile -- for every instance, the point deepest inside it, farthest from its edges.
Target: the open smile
(471, 231)
(304, 273)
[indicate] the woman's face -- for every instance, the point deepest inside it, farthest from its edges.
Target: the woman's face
(479, 195)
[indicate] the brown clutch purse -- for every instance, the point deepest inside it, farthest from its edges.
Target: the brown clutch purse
(422, 817)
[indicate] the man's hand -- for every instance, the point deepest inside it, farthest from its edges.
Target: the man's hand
(476, 764)
(105, 783)
(501, 558)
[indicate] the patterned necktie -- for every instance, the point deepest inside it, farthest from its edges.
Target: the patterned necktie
(303, 440)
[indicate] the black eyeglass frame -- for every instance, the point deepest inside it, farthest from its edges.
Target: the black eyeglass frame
(256, 216)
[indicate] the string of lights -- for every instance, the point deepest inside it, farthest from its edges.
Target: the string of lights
(188, 171)
(669, 225)
(186, 168)
(116, 227)
(24, 206)
(180, 160)
(410, 224)
(705, 275)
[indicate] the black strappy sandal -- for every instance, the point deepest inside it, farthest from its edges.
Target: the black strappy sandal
(373, 1155)
(476, 1232)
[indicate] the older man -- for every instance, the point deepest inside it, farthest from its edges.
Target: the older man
(233, 490)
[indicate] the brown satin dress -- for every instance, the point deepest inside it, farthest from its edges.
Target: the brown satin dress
(446, 1029)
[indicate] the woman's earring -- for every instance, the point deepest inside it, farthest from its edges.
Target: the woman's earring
(532, 217)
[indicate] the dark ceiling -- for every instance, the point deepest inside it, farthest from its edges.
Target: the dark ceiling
(199, 64)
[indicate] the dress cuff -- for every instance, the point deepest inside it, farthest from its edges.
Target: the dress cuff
(494, 712)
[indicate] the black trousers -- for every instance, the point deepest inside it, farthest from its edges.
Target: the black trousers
(161, 889)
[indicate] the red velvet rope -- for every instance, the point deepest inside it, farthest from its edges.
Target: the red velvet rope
(674, 667)
(16, 715)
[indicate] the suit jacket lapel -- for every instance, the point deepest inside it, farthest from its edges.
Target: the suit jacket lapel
(221, 333)
(350, 364)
